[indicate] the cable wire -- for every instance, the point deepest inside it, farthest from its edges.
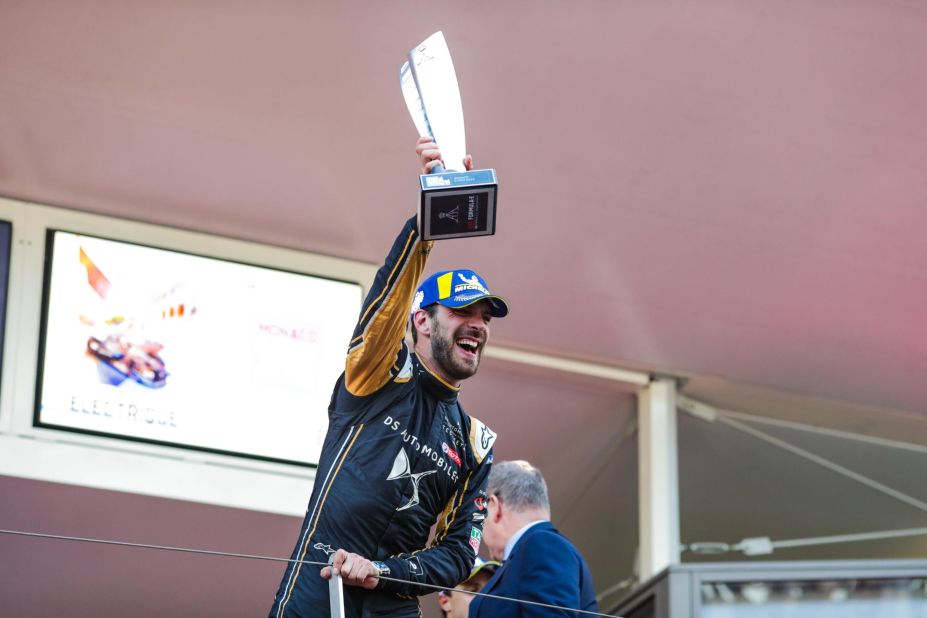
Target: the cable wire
(207, 552)
(826, 463)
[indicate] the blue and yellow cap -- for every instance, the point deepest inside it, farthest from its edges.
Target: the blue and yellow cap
(457, 288)
(480, 566)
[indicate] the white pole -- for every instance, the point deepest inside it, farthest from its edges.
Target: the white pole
(658, 478)
(335, 593)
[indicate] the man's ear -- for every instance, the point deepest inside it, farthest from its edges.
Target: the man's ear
(421, 322)
(497, 512)
(444, 602)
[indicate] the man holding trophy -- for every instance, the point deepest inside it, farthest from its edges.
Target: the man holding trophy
(401, 455)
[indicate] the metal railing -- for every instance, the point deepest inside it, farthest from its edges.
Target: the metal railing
(335, 583)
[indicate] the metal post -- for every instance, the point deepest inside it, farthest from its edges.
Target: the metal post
(658, 477)
(335, 592)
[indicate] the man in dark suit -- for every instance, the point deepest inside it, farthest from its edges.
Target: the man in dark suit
(540, 564)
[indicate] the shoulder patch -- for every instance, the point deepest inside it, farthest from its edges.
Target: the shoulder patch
(405, 374)
(481, 439)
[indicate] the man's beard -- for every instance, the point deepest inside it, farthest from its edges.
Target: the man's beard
(442, 351)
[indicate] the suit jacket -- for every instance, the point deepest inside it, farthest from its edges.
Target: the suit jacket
(544, 567)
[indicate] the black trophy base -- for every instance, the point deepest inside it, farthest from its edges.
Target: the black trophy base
(458, 205)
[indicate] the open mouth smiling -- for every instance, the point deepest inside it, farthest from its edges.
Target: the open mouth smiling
(468, 345)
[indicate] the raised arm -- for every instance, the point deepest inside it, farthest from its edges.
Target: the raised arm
(377, 349)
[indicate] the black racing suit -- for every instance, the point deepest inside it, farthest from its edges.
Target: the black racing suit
(400, 456)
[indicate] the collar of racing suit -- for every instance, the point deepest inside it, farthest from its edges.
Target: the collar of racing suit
(434, 384)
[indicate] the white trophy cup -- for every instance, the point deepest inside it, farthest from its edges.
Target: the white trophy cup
(455, 203)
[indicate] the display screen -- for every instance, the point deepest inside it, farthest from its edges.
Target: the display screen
(6, 234)
(179, 349)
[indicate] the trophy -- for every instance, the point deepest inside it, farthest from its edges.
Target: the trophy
(455, 203)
